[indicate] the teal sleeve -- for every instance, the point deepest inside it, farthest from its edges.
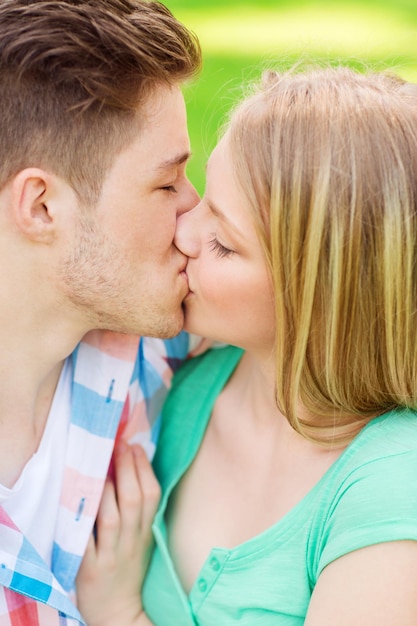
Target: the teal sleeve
(376, 502)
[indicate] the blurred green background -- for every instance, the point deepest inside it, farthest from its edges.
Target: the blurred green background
(240, 38)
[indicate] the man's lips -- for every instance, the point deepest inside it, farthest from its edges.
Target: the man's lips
(183, 272)
(184, 275)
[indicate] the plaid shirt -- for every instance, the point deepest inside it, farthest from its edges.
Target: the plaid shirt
(118, 389)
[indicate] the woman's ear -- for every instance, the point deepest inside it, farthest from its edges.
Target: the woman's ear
(31, 190)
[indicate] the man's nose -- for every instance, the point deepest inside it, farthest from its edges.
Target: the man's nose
(190, 199)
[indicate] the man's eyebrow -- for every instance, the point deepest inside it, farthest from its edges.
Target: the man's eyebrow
(223, 217)
(179, 159)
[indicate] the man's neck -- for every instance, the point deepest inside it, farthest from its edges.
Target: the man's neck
(30, 367)
(39, 328)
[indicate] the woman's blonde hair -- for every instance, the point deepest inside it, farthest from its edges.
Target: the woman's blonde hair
(328, 162)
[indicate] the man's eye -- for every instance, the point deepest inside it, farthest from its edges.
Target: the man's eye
(169, 188)
(220, 250)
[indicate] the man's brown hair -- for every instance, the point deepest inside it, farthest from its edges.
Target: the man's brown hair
(73, 74)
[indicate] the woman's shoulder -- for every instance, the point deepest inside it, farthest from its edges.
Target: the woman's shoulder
(385, 449)
(392, 433)
(370, 494)
(210, 365)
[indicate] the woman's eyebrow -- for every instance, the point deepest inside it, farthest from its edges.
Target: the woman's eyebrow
(224, 218)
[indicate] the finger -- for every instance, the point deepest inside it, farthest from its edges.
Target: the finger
(89, 560)
(90, 550)
(150, 489)
(128, 490)
(108, 522)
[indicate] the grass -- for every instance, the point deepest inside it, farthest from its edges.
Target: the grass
(239, 38)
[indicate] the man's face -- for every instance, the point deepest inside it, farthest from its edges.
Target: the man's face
(124, 271)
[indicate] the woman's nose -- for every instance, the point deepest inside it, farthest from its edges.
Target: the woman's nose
(187, 237)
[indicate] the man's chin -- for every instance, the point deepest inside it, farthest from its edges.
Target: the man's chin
(163, 327)
(168, 327)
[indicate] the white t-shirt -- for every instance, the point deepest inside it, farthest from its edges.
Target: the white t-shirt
(32, 502)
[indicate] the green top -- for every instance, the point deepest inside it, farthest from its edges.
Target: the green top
(368, 496)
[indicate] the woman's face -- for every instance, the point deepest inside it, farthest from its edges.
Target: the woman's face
(230, 298)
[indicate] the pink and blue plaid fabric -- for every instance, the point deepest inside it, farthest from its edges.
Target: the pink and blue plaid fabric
(119, 385)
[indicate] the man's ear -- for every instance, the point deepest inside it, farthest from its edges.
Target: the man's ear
(31, 193)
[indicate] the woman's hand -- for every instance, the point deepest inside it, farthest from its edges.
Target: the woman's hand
(116, 559)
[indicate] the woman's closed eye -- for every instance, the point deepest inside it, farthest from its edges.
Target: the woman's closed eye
(216, 246)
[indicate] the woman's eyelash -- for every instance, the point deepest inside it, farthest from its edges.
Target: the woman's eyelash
(217, 247)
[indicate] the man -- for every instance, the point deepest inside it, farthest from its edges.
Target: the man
(94, 146)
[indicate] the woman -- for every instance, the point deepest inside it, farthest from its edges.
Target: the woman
(288, 464)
